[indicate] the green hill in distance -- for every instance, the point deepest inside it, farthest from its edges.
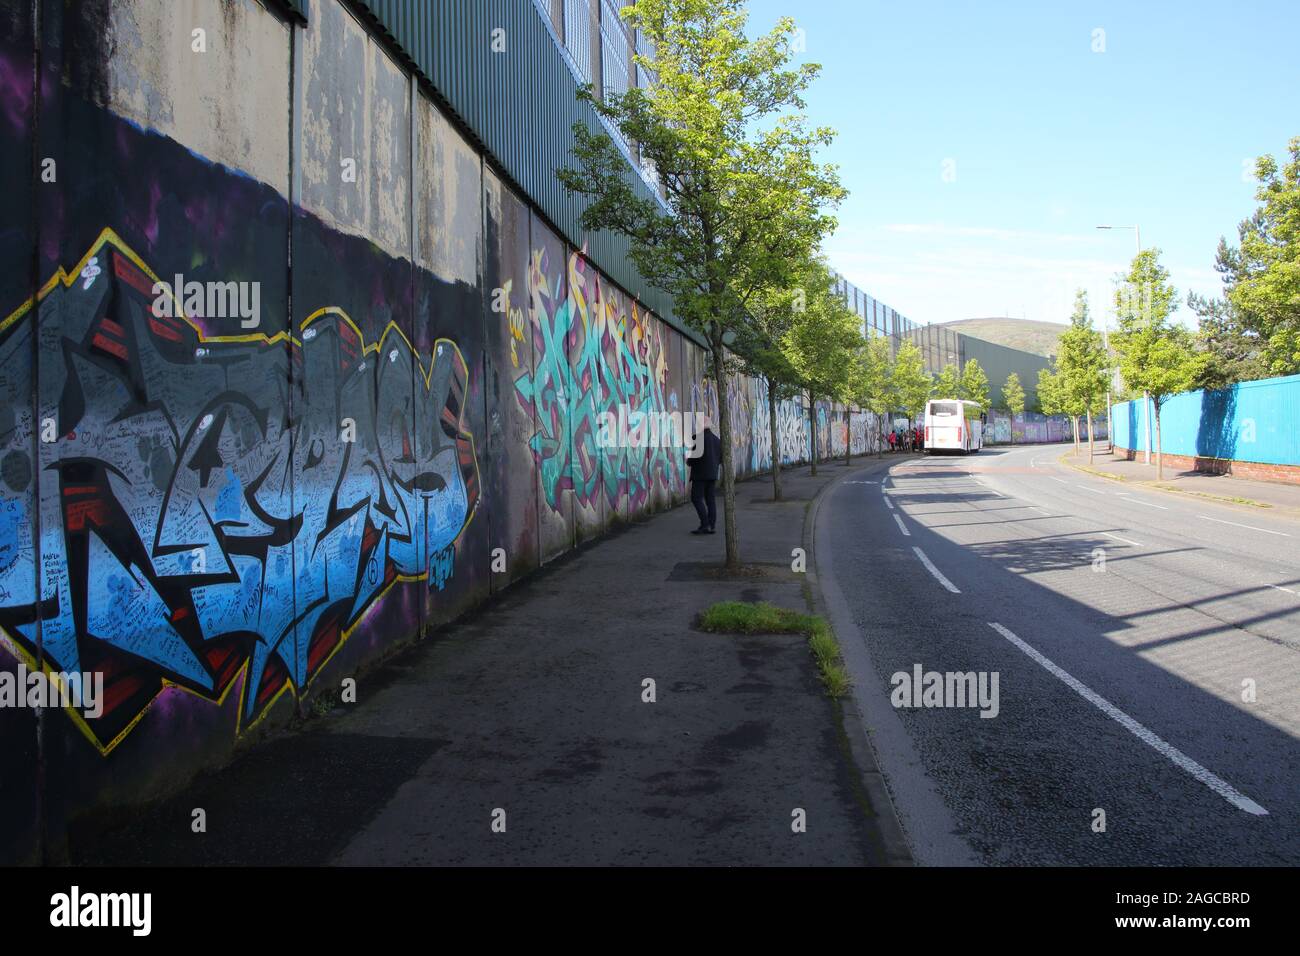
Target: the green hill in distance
(1028, 335)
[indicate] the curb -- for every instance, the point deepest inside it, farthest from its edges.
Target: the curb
(897, 850)
(1155, 485)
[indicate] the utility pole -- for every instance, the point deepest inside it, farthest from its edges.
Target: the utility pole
(1146, 397)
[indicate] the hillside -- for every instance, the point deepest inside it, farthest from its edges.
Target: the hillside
(1028, 335)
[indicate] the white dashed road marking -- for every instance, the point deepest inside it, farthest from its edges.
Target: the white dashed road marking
(938, 575)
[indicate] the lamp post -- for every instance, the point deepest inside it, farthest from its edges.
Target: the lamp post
(1146, 398)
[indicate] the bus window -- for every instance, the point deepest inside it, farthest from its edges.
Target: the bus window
(944, 408)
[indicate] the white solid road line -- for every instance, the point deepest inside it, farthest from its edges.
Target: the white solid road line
(1138, 501)
(1180, 759)
(902, 527)
(938, 575)
(1136, 544)
(1278, 587)
(1281, 534)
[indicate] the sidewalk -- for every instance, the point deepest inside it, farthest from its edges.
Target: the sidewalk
(534, 706)
(1279, 498)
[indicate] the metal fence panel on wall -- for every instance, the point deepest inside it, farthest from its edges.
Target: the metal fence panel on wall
(496, 64)
(1253, 421)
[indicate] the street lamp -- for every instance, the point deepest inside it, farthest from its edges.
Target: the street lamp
(1146, 410)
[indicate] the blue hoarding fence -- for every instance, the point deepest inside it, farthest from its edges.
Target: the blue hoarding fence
(1253, 421)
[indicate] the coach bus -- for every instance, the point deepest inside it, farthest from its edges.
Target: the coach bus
(952, 424)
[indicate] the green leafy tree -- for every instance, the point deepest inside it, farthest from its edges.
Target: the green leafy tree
(1013, 397)
(1049, 393)
(759, 352)
(1257, 328)
(1144, 302)
(878, 383)
(1055, 398)
(823, 347)
(746, 202)
(911, 383)
(974, 388)
(1083, 365)
(1232, 353)
(1162, 362)
(947, 384)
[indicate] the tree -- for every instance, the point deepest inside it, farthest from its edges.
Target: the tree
(878, 382)
(1162, 362)
(1054, 397)
(1144, 300)
(947, 384)
(974, 387)
(760, 354)
(1013, 396)
(723, 131)
(823, 345)
(1083, 364)
(911, 383)
(1049, 392)
(1156, 356)
(1232, 354)
(1256, 327)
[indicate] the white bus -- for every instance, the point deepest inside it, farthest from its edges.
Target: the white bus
(950, 427)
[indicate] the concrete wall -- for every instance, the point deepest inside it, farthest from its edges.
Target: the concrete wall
(1004, 428)
(222, 514)
(1249, 429)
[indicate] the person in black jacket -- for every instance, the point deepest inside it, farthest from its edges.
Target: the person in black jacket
(705, 465)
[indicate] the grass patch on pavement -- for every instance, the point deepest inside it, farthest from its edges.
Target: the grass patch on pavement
(738, 617)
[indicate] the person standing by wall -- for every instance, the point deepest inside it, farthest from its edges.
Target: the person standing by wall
(705, 462)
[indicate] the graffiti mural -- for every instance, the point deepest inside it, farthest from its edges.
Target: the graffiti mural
(592, 355)
(176, 547)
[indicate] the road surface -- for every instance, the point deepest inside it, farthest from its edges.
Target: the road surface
(1147, 648)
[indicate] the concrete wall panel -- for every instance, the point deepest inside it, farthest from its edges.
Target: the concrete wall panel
(208, 73)
(548, 389)
(510, 484)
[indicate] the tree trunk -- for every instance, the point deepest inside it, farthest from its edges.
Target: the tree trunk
(848, 435)
(1160, 473)
(1074, 423)
(776, 449)
(724, 435)
(812, 431)
(1090, 445)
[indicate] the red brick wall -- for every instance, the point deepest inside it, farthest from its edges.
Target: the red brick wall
(1286, 474)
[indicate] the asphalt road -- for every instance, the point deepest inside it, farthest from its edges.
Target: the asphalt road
(1129, 632)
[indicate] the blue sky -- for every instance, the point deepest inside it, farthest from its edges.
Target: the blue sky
(1046, 139)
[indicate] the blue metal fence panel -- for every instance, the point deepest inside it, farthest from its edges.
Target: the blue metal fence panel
(1253, 421)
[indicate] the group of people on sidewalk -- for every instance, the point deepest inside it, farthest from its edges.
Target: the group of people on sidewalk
(906, 439)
